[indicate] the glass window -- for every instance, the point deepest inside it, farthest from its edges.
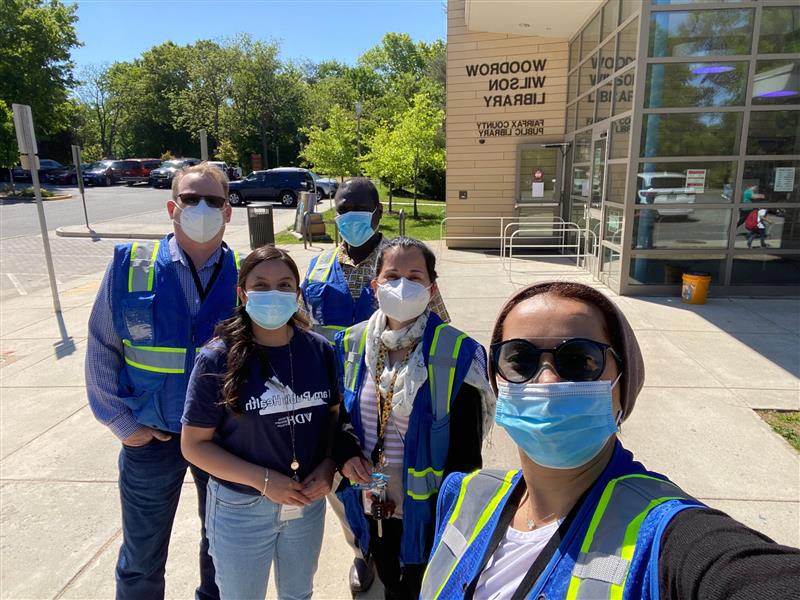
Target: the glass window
(684, 227)
(606, 62)
(612, 264)
(691, 134)
(590, 37)
(780, 30)
(765, 269)
(670, 270)
(774, 132)
(572, 86)
(598, 169)
(571, 118)
(778, 229)
(573, 52)
(701, 32)
(628, 8)
(583, 144)
(696, 84)
(586, 111)
(603, 97)
(538, 159)
(588, 75)
(612, 232)
(620, 137)
(776, 180)
(577, 212)
(777, 82)
(610, 17)
(615, 187)
(623, 91)
(679, 183)
(580, 181)
(626, 53)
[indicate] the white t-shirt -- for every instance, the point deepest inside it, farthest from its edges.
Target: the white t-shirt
(511, 560)
(762, 214)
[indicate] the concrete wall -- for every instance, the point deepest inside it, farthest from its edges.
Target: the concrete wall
(480, 72)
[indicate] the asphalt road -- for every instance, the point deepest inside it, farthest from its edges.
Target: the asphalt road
(22, 264)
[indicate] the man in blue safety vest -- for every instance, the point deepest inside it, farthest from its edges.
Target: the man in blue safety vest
(337, 295)
(157, 305)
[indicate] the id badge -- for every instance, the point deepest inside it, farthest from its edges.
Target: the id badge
(369, 496)
(290, 513)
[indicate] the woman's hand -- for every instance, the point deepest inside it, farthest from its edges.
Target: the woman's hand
(358, 469)
(319, 481)
(285, 490)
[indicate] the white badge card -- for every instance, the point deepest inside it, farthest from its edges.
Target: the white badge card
(290, 513)
(368, 497)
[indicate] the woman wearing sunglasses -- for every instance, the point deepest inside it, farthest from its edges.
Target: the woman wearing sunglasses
(260, 416)
(417, 394)
(581, 519)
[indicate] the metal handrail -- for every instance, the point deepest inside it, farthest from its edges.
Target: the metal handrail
(533, 221)
(578, 255)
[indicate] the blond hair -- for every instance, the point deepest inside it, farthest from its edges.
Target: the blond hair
(204, 169)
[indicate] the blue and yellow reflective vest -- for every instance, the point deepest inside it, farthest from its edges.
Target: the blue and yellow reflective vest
(328, 297)
(160, 339)
(448, 355)
(610, 550)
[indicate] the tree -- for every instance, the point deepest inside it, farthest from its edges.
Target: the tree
(98, 93)
(226, 152)
(8, 140)
(332, 150)
(418, 135)
(387, 161)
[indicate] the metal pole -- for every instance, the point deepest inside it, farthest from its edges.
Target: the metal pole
(46, 240)
(203, 145)
(76, 160)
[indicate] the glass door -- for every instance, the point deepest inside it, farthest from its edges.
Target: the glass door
(596, 200)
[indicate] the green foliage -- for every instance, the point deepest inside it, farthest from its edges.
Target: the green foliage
(91, 153)
(332, 150)
(35, 64)
(226, 152)
(785, 423)
(167, 155)
(8, 138)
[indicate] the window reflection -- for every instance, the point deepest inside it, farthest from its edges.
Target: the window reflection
(663, 228)
(623, 91)
(612, 231)
(620, 137)
(603, 100)
(628, 38)
(701, 32)
(583, 143)
(691, 134)
(765, 269)
(780, 30)
(580, 181)
(588, 75)
(774, 132)
(777, 82)
(669, 270)
(696, 84)
(590, 37)
(690, 182)
(615, 191)
(769, 227)
(586, 111)
(777, 181)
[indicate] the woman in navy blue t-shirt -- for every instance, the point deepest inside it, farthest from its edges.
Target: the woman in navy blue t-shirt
(260, 417)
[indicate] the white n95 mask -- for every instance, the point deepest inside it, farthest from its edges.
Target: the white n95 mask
(402, 299)
(201, 223)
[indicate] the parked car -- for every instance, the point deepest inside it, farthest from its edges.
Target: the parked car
(64, 176)
(664, 189)
(162, 176)
(326, 186)
(45, 166)
(222, 166)
(107, 172)
(282, 185)
(139, 170)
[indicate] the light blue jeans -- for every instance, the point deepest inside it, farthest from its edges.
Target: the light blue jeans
(246, 535)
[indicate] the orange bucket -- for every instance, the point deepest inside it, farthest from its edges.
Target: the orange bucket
(695, 288)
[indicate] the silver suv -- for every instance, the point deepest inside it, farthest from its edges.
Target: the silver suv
(664, 189)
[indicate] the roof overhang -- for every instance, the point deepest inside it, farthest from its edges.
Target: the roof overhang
(540, 18)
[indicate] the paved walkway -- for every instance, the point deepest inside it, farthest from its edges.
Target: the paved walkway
(707, 367)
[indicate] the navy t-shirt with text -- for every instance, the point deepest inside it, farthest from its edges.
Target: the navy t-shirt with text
(262, 433)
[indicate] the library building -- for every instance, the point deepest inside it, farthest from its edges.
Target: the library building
(641, 139)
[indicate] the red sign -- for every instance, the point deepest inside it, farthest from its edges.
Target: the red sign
(538, 175)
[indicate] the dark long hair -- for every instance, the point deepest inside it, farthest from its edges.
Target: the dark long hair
(237, 332)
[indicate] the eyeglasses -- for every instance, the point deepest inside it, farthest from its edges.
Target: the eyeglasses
(194, 200)
(576, 359)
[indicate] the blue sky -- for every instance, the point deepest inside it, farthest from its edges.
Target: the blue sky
(120, 30)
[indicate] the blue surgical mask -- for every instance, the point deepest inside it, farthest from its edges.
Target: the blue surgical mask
(271, 310)
(558, 425)
(355, 227)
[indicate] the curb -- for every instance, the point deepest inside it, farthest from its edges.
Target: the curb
(119, 235)
(33, 198)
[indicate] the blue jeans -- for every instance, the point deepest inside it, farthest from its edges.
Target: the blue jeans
(246, 535)
(150, 481)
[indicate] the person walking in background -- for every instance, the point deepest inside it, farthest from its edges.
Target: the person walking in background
(417, 395)
(750, 193)
(156, 305)
(261, 414)
(580, 518)
(756, 225)
(337, 293)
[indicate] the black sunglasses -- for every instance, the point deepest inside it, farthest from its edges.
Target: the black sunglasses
(576, 359)
(194, 200)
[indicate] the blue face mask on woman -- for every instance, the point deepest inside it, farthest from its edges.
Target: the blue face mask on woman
(271, 310)
(355, 227)
(558, 425)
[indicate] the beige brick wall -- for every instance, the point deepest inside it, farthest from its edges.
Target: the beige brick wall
(487, 171)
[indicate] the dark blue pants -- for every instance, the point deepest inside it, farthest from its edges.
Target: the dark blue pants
(150, 480)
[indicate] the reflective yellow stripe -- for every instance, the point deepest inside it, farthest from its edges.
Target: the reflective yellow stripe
(154, 369)
(325, 268)
(629, 542)
(433, 353)
(360, 353)
(415, 473)
(236, 259)
(484, 518)
(456, 349)
(152, 269)
(155, 348)
(130, 266)
(424, 496)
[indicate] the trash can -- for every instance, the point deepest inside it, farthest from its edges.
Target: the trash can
(259, 223)
(695, 287)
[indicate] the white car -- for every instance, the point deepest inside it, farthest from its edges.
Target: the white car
(664, 189)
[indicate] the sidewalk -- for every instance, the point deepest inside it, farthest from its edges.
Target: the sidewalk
(707, 367)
